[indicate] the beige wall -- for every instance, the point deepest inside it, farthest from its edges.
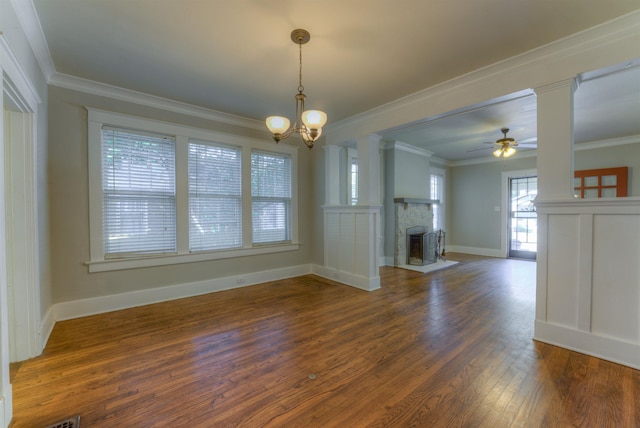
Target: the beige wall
(68, 183)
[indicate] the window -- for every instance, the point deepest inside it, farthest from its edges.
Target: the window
(601, 183)
(436, 187)
(215, 197)
(139, 195)
(271, 197)
(352, 176)
(162, 193)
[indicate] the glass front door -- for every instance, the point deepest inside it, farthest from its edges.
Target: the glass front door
(523, 220)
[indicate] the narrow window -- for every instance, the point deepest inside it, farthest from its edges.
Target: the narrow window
(270, 197)
(139, 195)
(215, 197)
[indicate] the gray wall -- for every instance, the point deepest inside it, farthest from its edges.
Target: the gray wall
(70, 207)
(475, 190)
(610, 157)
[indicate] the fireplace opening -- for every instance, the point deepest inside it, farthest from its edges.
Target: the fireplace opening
(423, 247)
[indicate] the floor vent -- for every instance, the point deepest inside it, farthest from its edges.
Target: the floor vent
(73, 422)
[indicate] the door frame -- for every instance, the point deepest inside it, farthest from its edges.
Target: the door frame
(505, 200)
(19, 202)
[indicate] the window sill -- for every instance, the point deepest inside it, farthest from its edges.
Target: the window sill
(163, 260)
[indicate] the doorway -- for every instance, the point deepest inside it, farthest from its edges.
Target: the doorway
(522, 229)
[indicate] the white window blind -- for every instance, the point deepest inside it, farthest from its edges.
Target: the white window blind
(437, 184)
(271, 197)
(138, 185)
(215, 197)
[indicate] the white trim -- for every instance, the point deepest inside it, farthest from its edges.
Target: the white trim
(22, 235)
(504, 203)
(488, 252)
(414, 150)
(97, 305)
(590, 145)
(98, 263)
(133, 263)
(46, 327)
(18, 86)
(347, 278)
(30, 23)
(617, 351)
(141, 98)
(609, 43)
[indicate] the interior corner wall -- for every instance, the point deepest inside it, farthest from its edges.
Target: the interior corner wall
(411, 175)
(68, 175)
(317, 201)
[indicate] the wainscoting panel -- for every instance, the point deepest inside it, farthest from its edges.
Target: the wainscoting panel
(562, 298)
(588, 282)
(351, 246)
(616, 269)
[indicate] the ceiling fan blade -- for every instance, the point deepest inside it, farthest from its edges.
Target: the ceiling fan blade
(481, 148)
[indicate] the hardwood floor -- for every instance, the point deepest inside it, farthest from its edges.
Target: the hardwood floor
(452, 348)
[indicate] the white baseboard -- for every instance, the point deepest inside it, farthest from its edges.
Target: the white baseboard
(46, 327)
(607, 348)
(488, 252)
(96, 305)
(357, 281)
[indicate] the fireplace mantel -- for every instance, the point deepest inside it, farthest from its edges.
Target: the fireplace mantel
(415, 201)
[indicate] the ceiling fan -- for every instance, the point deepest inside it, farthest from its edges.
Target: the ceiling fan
(506, 145)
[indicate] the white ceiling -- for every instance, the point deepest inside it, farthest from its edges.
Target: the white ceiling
(237, 57)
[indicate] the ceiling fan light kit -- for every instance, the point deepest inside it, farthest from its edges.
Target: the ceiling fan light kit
(506, 144)
(307, 123)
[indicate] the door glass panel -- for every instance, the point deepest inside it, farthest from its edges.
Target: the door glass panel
(523, 220)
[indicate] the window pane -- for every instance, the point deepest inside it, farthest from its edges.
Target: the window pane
(354, 181)
(138, 184)
(215, 197)
(271, 197)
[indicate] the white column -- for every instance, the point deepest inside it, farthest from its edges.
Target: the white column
(555, 140)
(369, 170)
(332, 175)
(6, 397)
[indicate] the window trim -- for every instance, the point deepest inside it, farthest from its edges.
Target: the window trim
(183, 134)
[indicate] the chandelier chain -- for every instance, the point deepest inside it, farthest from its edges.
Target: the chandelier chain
(300, 87)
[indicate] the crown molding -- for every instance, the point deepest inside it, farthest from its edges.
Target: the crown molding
(600, 144)
(30, 23)
(114, 92)
(397, 145)
(559, 60)
(17, 85)
(591, 145)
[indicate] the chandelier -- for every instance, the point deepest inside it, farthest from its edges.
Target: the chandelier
(308, 123)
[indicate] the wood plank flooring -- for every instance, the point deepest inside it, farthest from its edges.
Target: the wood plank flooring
(452, 348)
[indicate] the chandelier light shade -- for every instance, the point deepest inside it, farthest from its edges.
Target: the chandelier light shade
(307, 123)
